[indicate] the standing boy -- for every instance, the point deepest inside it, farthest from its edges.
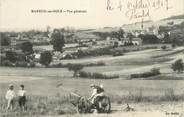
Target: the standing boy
(10, 96)
(22, 97)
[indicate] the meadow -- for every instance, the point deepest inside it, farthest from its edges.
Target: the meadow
(44, 99)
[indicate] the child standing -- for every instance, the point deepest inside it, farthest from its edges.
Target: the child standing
(10, 96)
(22, 97)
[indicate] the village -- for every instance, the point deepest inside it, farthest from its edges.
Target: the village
(140, 67)
(87, 40)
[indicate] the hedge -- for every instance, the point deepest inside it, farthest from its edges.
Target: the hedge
(95, 75)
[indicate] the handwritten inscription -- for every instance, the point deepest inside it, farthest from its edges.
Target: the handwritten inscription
(138, 8)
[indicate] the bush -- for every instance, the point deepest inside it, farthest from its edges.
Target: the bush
(84, 74)
(178, 65)
(21, 64)
(95, 64)
(21, 57)
(94, 42)
(164, 47)
(45, 58)
(90, 52)
(81, 53)
(2, 58)
(117, 53)
(75, 68)
(27, 47)
(31, 64)
(57, 40)
(173, 45)
(94, 52)
(153, 72)
(149, 38)
(11, 56)
(98, 76)
(4, 40)
(60, 65)
(68, 56)
(6, 63)
(116, 44)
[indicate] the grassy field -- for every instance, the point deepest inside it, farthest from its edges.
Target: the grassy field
(44, 99)
(133, 62)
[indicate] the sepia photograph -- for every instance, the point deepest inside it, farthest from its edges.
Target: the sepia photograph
(91, 58)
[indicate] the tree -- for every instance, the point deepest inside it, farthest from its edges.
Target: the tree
(4, 40)
(57, 41)
(178, 65)
(45, 58)
(130, 37)
(164, 47)
(27, 47)
(149, 38)
(75, 68)
(120, 34)
(173, 45)
(114, 34)
(166, 38)
(115, 44)
(11, 56)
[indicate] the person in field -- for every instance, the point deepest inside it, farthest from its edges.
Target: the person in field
(10, 97)
(22, 97)
(97, 91)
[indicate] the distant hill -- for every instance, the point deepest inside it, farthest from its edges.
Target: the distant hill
(175, 17)
(137, 25)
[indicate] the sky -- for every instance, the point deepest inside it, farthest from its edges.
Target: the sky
(17, 15)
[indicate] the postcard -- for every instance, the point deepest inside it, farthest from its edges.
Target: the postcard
(91, 58)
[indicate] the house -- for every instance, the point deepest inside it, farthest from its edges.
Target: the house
(135, 41)
(110, 40)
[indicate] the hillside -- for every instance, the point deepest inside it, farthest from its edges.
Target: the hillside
(137, 26)
(175, 17)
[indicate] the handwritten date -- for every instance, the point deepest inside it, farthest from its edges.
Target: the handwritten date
(138, 8)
